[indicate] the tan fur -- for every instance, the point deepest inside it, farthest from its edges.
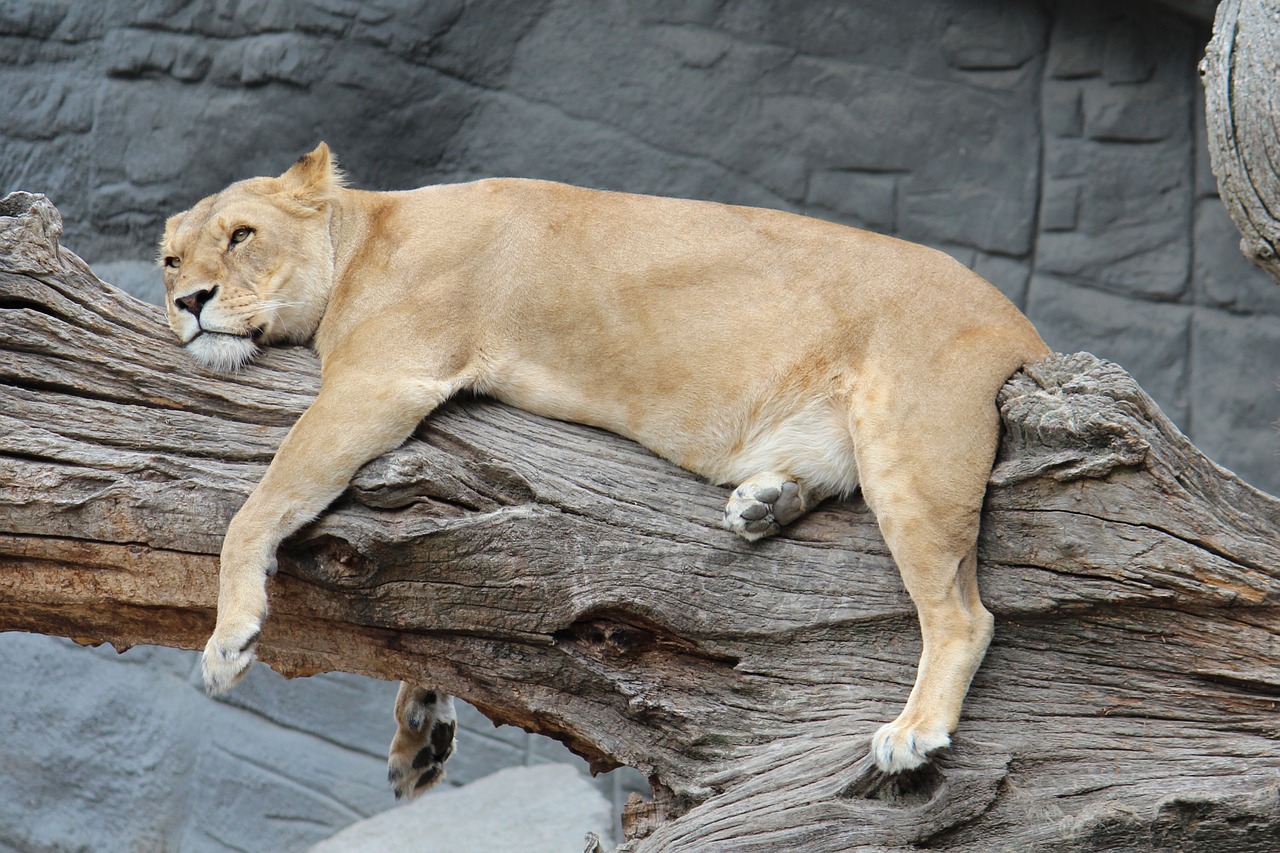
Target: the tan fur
(754, 347)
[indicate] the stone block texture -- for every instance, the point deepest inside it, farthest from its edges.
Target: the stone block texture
(1056, 147)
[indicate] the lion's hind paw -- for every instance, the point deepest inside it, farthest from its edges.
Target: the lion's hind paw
(897, 747)
(760, 506)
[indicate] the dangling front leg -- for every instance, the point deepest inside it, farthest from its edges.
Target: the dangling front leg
(426, 726)
(242, 607)
(355, 418)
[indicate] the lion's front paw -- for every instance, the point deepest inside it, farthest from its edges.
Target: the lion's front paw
(898, 747)
(761, 505)
(227, 657)
(424, 740)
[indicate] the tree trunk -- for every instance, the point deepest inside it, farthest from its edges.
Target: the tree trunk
(567, 581)
(1240, 71)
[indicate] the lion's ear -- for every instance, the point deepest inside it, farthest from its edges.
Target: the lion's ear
(313, 178)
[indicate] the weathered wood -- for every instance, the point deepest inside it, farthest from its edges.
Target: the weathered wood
(1240, 71)
(567, 581)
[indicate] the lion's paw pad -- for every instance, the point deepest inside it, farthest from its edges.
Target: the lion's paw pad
(423, 742)
(760, 507)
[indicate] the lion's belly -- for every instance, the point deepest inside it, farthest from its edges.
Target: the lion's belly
(725, 438)
(810, 440)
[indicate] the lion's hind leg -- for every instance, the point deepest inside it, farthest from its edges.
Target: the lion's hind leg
(956, 630)
(426, 725)
(924, 474)
(763, 503)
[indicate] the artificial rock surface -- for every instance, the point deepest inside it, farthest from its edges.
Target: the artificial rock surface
(547, 809)
(1046, 145)
(1057, 148)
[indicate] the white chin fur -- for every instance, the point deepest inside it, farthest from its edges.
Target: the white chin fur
(222, 353)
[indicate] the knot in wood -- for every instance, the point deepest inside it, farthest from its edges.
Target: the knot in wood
(604, 637)
(1071, 417)
(335, 562)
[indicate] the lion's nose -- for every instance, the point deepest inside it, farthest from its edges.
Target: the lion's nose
(194, 302)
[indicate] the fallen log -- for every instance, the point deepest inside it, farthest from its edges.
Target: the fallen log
(565, 580)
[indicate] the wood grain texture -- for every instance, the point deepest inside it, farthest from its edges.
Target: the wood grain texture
(565, 580)
(1239, 71)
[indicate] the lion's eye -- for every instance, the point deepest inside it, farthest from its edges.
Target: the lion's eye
(239, 235)
(172, 262)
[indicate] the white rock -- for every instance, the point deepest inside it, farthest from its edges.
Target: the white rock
(544, 809)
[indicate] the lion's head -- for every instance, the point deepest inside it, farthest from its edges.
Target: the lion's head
(252, 265)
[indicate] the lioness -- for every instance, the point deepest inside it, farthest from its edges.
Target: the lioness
(792, 358)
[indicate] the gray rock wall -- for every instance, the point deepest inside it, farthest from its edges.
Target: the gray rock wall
(1056, 148)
